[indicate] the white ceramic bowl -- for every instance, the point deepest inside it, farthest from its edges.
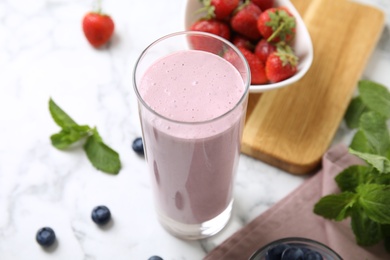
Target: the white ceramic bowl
(302, 44)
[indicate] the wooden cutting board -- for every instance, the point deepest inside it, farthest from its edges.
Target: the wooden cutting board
(291, 128)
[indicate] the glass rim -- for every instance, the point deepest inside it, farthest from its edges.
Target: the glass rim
(231, 45)
(292, 240)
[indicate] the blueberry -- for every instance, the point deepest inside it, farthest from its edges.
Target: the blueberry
(138, 146)
(305, 249)
(292, 253)
(155, 257)
(312, 255)
(275, 253)
(45, 236)
(101, 215)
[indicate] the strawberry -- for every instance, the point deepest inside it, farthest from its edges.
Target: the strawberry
(263, 49)
(264, 4)
(224, 8)
(244, 21)
(98, 28)
(231, 56)
(258, 75)
(211, 26)
(281, 64)
(277, 24)
(242, 42)
(220, 9)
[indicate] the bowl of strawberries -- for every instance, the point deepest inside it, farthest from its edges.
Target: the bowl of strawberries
(270, 34)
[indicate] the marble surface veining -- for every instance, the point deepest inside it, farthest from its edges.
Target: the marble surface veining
(43, 54)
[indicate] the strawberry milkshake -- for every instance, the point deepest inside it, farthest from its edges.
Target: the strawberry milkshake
(192, 112)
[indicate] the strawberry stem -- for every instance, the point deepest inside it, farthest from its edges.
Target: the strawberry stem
(241, 6)
(98, 6)
(276, 32)
(246, 2)
(208, 8)
(286, 54)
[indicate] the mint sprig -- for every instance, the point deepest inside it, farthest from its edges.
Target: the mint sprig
(365, 189)
(372, 97)
(99, 154)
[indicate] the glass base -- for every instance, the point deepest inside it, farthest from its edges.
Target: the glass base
(197, 231)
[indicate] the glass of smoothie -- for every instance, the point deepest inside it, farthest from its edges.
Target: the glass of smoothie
(192, 90)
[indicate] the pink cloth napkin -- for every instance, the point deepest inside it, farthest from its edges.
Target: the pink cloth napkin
(293, 216)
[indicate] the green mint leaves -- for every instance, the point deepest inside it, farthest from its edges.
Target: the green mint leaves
(99, 154)
(336, 206)
(365, 189)
(372, 97)
(375, 201)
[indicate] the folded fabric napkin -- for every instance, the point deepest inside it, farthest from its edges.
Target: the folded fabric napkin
(293, 217)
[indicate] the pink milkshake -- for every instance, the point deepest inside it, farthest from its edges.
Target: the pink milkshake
(192, 127)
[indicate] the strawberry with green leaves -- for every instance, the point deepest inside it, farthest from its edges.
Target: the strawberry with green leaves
(219, 9)
(277, 24)
(98, 27)
(244, 20)
(281, 64)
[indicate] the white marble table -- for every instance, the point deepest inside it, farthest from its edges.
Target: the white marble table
(43, 53)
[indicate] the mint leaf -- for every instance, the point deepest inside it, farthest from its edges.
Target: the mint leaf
(100, 155)
(375, 130)
(367, 232)
(375, 96)
(381, 163)
(59, 116)
(360, 143)
(354, 111)
(69, 135)
(352, 177)
(381, 179)
(335, 206)
(375, 201)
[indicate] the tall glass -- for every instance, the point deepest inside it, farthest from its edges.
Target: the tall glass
(192, 90)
